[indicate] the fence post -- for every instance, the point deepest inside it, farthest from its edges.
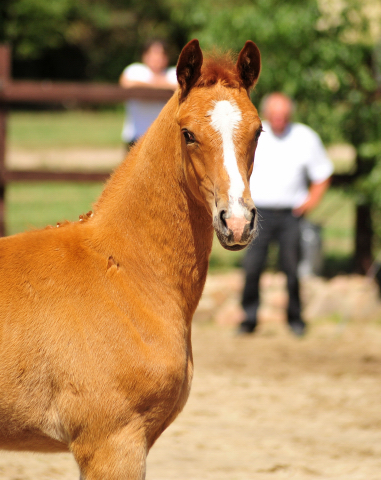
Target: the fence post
(363, 240)
(5, 73)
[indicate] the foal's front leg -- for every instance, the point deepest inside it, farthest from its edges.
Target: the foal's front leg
(120, 456)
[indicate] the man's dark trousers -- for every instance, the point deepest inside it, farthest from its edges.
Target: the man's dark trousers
(281, 226)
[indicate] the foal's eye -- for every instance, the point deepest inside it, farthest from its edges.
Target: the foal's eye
(189, 137)
(258, 133)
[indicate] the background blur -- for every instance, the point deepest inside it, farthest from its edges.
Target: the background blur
(272, 406)
(326, 54)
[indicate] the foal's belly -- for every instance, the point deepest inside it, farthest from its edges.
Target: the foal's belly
(26, 440)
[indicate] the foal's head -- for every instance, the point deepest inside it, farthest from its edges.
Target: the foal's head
(220, 129)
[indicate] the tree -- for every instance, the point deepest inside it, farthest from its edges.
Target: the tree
(83, 39)
(327, 56)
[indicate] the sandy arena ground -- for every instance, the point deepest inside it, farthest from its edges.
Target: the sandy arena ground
(271, 406)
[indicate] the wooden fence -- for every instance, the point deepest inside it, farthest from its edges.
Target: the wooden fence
(13, 92)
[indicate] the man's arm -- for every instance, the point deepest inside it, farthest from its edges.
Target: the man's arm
(316, 193)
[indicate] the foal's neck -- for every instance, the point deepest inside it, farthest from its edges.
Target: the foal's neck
(150, 219)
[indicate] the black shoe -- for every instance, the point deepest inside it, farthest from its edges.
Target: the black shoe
(298, 327)
(246, 327)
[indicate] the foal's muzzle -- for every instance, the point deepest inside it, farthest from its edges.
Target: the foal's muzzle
(235, 229)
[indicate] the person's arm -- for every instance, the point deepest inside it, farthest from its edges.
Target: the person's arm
(158, 81)
(315, 194)
(127, 83)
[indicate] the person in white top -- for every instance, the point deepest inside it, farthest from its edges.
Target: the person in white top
(153, 73)
(291, 174)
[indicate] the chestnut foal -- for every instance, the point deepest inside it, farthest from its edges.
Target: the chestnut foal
(95, 318)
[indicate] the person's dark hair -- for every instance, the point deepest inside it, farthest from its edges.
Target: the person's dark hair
(148, 44)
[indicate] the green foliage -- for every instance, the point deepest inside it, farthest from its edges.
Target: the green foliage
(49, 38)
(327, 76)
(32, 26)
(324, 54)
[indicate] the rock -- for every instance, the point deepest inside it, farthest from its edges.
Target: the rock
(344, 297)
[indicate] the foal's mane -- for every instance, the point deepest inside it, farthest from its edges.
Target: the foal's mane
(219, 67)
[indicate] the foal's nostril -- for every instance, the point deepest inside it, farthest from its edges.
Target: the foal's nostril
(253, 215)
(223, 218)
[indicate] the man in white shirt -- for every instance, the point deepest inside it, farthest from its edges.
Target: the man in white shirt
(153, 73)
(291, 174)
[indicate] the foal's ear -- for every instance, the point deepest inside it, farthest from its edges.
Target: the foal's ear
(249, 64)
(189, 67)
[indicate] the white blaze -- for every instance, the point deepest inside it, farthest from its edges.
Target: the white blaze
(225, 118)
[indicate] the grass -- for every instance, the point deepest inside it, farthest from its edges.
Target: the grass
(35, 205)
(63, 129)
(336, 216)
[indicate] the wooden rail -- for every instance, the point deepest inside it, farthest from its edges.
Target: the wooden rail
(13, 92)
(58, 92)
